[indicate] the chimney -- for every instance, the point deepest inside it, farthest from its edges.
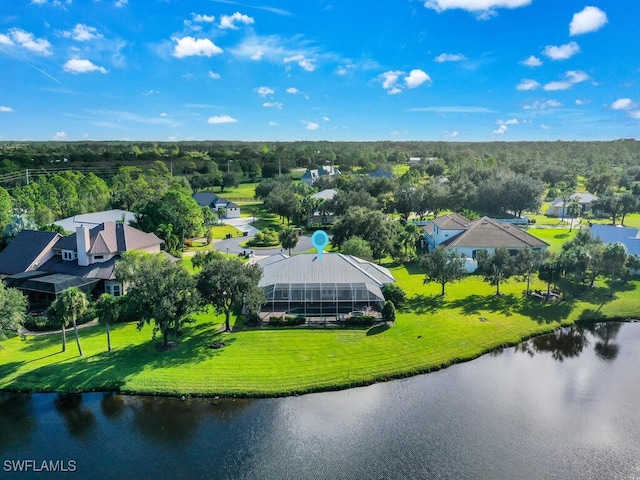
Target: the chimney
(82, 245)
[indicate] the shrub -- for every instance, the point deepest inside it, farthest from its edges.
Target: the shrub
(395, 294)
(388, 312)
(265, 238)
(360, 320)
(252, 320)
(287, 321)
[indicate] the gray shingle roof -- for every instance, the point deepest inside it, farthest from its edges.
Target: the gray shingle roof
(451, 221)
(99, 270)
(110, 238)
(490, 233)
(24, 249)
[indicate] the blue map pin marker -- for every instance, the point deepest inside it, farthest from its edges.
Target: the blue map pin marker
(320, 239)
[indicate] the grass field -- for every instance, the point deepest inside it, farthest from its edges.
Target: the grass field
(430, 332)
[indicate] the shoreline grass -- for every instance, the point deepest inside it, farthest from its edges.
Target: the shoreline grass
(431, 332)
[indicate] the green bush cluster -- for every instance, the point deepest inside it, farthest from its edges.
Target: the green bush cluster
(265, 238)
(287, 321)
(360, 320)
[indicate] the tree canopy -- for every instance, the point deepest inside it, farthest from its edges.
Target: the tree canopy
(159, 291)
(226, 280)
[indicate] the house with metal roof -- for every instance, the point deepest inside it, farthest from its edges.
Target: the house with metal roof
(468, 237)
(629, 237)
(331, 285)
(217, 204)
(42, 264)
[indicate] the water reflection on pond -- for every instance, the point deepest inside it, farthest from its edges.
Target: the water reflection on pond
(564, 405)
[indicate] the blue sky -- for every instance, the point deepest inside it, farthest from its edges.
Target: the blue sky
(268, 70)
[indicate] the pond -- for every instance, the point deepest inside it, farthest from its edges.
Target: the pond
(565, 405)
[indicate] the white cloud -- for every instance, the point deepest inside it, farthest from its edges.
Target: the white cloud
(416, 78)
(4, 108)
(312, 126)
(561, 52)
(538, 105)
(527, 84)
(622, 104)
(306, 63)
(293, 91)
(513, 121)
(570, 79)
(189, 47)
(484, 9)
(214, 75)
(78, 65)
(326, 119)
(501, 130)
(27, 40)
(390, 78)
(220, 119)
(277, 105)
(580, 101)
(163, 114)
(121, 3)
(276, 50)
(264, 91)
(532, 61)
(59, 136)
(146, 93)
(588, 20)
(82, 33)
(545, 127)
(203, 18)
(5, 40)
(341, 70)
(635, 114)
(230, 21)
(453, 134)
(273, 124)
(449, 57)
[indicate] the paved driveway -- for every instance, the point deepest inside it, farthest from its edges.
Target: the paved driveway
(242, 224)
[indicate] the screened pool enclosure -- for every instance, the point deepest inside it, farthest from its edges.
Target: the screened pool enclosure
(321, 298)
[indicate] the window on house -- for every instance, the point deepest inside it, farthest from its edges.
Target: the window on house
(116, 290)
(98, 257)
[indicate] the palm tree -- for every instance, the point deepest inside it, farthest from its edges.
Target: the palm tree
(288, 238)
(107, 310)
(71, 303)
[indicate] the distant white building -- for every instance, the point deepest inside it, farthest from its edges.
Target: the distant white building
(558, 207)
(92, 219)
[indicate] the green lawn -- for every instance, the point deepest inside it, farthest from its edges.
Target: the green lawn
(555, 237)
(430, 332)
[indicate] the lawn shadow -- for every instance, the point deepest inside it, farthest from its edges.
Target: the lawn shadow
(545, 312)
(378, 329)
(109, 371)
(475, 304)
(424, 304)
